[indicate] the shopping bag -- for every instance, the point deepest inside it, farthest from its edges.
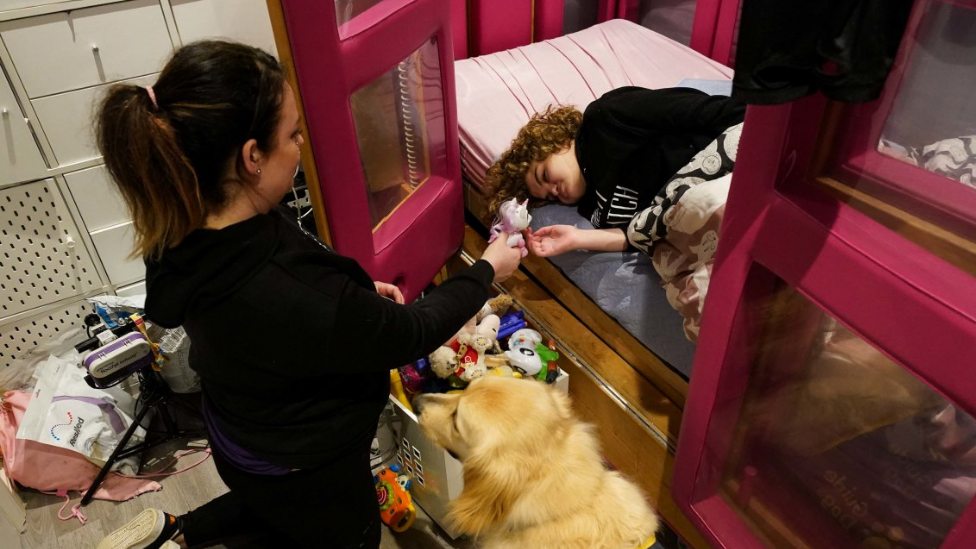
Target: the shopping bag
(65, 412)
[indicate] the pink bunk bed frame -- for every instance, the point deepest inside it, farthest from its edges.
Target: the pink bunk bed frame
(487, 26)
(376, 40)
(332, 62)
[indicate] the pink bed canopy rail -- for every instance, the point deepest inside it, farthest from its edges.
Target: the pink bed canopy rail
(496, 25)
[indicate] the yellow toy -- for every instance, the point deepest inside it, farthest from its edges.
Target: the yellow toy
(396, 389)
(158, 357)
(396, 507)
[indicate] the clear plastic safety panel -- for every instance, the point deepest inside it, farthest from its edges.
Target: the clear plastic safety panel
(932, 123)
(837, 446)
(391, 114)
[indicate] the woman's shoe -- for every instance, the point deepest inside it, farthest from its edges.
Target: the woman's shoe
(150, 529)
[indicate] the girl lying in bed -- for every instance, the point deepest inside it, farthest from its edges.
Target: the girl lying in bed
(618, 162)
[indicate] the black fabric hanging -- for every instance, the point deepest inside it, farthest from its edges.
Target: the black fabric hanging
(791, 48)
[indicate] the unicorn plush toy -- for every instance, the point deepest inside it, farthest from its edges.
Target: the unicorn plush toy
(513, 218)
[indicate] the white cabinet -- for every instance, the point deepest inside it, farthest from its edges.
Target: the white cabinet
(20, 159)
(71, 50)
(98, 200)
(114, 246)
(67, 120)
(62, 239)
(14, 4)
(240, 20)
(139, 288)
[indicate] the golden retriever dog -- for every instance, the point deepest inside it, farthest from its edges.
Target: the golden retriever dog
(533, 474)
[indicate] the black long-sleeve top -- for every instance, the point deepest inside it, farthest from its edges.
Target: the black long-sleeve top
(632, 140)
(291, 341)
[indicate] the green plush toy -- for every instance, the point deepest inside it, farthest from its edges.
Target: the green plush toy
(547, 355)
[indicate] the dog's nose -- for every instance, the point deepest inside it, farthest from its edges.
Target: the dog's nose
(417, 404)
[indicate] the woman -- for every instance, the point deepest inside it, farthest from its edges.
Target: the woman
(293, 343)
(611, 160)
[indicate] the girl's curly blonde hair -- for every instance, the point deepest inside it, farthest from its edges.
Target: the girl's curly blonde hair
(545, 133)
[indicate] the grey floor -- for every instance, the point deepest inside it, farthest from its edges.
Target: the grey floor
(180, 494)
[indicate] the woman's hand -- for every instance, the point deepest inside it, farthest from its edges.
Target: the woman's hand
(502, 258)
(389, 291)
(553, 240)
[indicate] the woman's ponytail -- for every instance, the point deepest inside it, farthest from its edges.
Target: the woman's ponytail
(174, 149)
(153, 175)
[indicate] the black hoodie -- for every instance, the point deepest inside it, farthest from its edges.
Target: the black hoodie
(292, 343)
(632, 140)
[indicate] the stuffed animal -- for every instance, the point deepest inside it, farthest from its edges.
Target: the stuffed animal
(495, 306)
(522, 352)
(488, 327)
(525, 360)
(443, 361)
(471, 356)
(526, 337)
(547, 355)
(477, 325)
(513, 218)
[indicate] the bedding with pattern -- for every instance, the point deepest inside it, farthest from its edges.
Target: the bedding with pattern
(680, 231)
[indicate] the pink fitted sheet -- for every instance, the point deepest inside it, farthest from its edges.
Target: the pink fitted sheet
(497, 93)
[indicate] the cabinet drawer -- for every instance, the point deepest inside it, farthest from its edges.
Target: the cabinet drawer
(244, 21)
(139, 288)
(20, 159)
(67, 121)
(76, 49)
(14, 4)
(98, 200)
(114, 245)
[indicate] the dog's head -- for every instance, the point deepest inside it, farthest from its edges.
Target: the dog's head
(502, 430)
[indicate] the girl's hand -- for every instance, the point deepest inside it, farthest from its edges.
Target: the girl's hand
(389, 291)
(502, 258)
(553, 240)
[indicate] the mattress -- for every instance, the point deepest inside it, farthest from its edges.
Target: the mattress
(626, 286)
(497, 93)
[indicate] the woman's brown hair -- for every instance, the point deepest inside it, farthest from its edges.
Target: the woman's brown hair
(170, 149)
(545, 133)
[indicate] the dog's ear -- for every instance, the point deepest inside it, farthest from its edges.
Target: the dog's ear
(491, 487)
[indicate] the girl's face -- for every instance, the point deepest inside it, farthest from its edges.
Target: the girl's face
(279, 166)
(558, 177)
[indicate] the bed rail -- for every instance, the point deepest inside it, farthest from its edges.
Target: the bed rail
(495, 25)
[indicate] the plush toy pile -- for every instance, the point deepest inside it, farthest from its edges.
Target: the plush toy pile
(494, 342)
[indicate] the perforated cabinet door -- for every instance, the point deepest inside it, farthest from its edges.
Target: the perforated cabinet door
(42, 257)
(20, 336)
